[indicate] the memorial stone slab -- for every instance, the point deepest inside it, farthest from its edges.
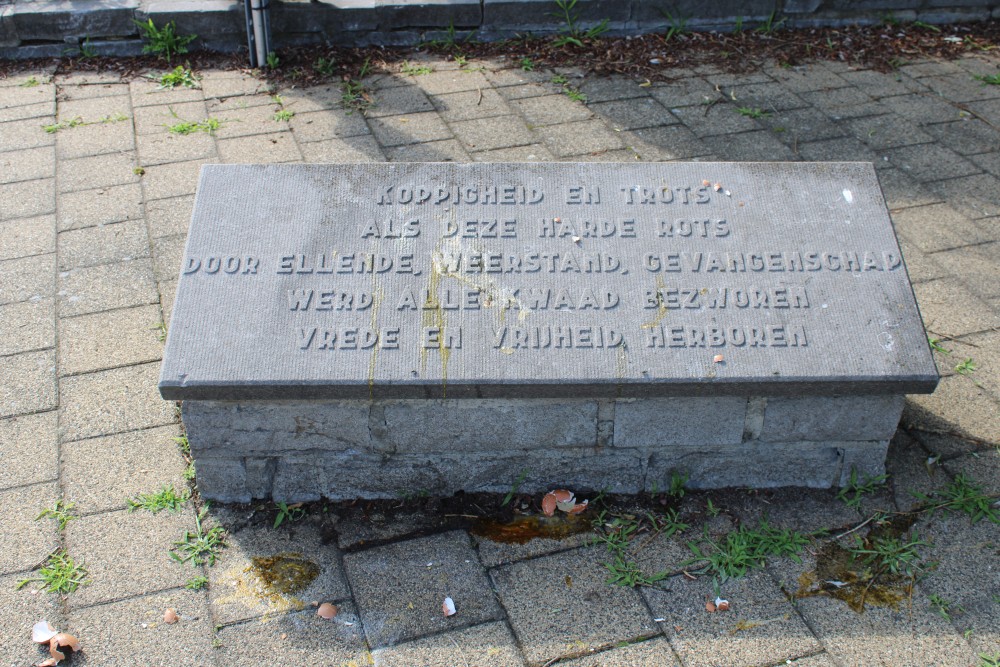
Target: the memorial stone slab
(378, 314)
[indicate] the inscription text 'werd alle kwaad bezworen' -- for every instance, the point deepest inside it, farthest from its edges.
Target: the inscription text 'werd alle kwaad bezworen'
(520, 274)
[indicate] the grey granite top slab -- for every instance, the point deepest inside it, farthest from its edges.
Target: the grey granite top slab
(591, 279)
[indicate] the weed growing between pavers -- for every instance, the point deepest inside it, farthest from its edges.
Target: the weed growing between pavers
(178, 76)
(164, 42)
(60, 574)
(200, 546)
(167, 498)
(62, 512)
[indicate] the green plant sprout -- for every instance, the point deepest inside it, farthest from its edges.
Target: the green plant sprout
(30, 83)
(63, 125)
(289, 512)
(62, 512)
(856, 489)
(988, 79)
(514, 488)
(753, 112)
(196, 583)
(200, 546)
(935, 344)
(964, 496)
(409, 69)
(966, 367)
(325, 66)
(164, 42)
(167, 498)
(178, 76)
(572, 33)
(743, 550)
(61, 574)
(527, 64)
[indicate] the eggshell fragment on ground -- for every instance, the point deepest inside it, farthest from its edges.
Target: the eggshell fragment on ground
(448, 607)
(170, 616)
(721, 605)
(327, 610)
(42, 632)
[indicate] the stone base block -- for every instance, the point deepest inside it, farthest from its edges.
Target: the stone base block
(305, 450)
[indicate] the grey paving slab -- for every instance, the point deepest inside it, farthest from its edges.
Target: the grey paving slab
(97, 172)
(493, 553)
(808, 78)
(937, 227)
(21, 95)
(984, 350)
(19, 611)
(758, 146)
(26, 326)
(359, 526)
(655, 652)
(40, 110)
(976, 196)
(968, 136)
(761, 626)
(960, 87)
(943, 446)
(96, 139)
(902, 191)
(487, 645)
(30, 385)
(930, 67)
(106, 287)
(266, 571)
(980, 467)
(99, 206)
(327, 124)
(83, 91)
(409, 129)
(451, 81)
(92, 110)
(846, 149)
(133, 631)
(122, 566)
(171, 180)
(165, 148)
(448, 150)
(633, 113)
(882, 84)
(582, 138)
(922, 108)
(470, 105)
(909, 474)
(159, 119)
(399, 588)
(561, 606)
(719, 119)
(611, 88)
(987, 110)
(100, 474)
(887, 131)
(112, 401)
(958, 406)
(146, 93)
(346, 149)
(493, 133)
(25, 541)
(297, 638)
(948, 308)
(27, 278)
(989, 162)
(169, 217)
(516, 76)
(528, 153)
(396, 101)
(686, 92)
(930, 162)
(664, 144)
(27, 199)
(271, 148)
(551, 110)
(30, 450)
(222, 84)
(168, 252)
(322, 97)
(920, 266)
(804, 510)
(103, 244)
(27, 165)
(246, 121)
(109, 339)
(517, 92)
(26, 237)
(27, 133)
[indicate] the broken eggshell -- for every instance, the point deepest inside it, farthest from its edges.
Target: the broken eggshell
(448, 607)
(170, 616)
(42, 632)
(327, 610)
(554, 499)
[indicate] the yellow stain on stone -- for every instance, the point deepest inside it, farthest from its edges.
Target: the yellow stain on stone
(272, 581)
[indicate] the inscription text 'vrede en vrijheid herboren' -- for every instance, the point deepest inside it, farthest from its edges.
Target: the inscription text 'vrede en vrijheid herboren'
(360, 278)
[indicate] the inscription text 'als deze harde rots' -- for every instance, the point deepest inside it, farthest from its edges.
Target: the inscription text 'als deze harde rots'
(442, 279)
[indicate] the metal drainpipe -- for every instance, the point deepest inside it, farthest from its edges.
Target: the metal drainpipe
(258, 30)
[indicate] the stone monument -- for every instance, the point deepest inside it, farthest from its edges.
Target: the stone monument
(374, 329)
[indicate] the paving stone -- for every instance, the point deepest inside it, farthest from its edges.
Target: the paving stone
(987, 110)
(329, 124)
(988, 162)
(935, 67)
(634, 113)
(984, 350)
(551, 110)
(761, 626)
(171, 180)
(122, 566)
(27, 165)
(30, 449)
(529, 153)
(663, 144)
(19, 611)
(41, 110)
(882, 84)
(451, 81)
(493, 553)
(719, 119)
(913, 634)
(410, 129)
(24, 541)
(243, 580)
(807, 78)
(541, 594)
(959, 87)
(527, 90)
(949, 309)
(725, 79)
(582, 138)
(623, 155)
(611, 88)
(133, 630)
(396, 101)
(92, 109)
(804, 510)
(845, 149)
(655, 652)
(247, 121)
(360, 525)
(20, 95)
(28, 133)
(920, 267)
(27, 278)
(30, 385)
(147, 93)
(106, 287)
(975, 196)
(91, 78)
(315, 98)
(399, 588)
(930, 162)
(346, 149)
(296, 639)
(112, 401)
(888, 131)
(902, 191)
(73, 92)
(493, 133)
(103, 244)
(937, 227)
(922, 108)
(470, 105)
(97, 172)
(943, 446)
(515, 77)
(168, 253)
(87, 208)
(967, 136)
(169, 217)
(165, 148)
(958, 406)
(27, 199)
(693, 91)
(759, 146)
(27, 326)
(100, 474)
(109, 339)
(431, 151)
(487, 645)
(270, 148)
(981, 468)
(95, 139)
(27, 237)
(844, 103)
(225, 85)
(159, 119)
